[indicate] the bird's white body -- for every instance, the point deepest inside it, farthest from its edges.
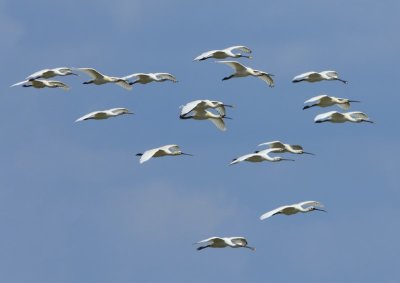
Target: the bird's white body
(99, 79)
(49, 73)
(259, 156)
(223, 242)
(243, 71)
(38, 83)
(317, 77)
(170, 149)
(104, 114)
(305, 206)
(284, 147)
(326, 101)
(224, 53)
(143, 78)
(337, 117)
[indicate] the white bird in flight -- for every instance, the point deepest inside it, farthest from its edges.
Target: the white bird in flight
(243, 71)
(305, 206)
(223, 242)
(104, 114)
(260, 156)
(224, 53)
(284, 147)
(171, 149)
(202, 104)
(325, 101)
(150, 77)
(318, 76)
(337, 117)
(49, 73)
(42, 84)
(99, 79)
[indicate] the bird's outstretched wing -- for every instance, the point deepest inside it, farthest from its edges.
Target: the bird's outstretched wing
(205, 55)
(239, 47)
(311, 202)
(316, 98)
(304, 76)
(344, 106)
(358, 115)
(210, 240)
(240, 241)
(88, 116)
(188, 107)
(171, 147)
(39, 74)
(91, 72)
(273, 144)
(219, 123)
(267, 78)
(123, 83)
(20, 83)
(273, 212)
(59, 84)
(234, 65)
(138, 75)
(165, 76)
(148, 154)
(296, 147)
(326, 115)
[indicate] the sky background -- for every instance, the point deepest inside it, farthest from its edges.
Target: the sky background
(76, 205)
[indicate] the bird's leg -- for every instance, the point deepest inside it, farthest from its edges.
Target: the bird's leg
(203, 247)
(134, 82)
(185, 117)
(227, 78)
(139, 154)
(309, 106)
(27, 85)
(88, 82)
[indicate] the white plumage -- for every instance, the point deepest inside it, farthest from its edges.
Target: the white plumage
(326, 101)
(104, 114)
(337, 117)
(305, 206)
(318, 76)
(143, 78)
(224, 53)
(260, 156)
(170, 149)
(284, 147)
(38, 83)
(243, 71)
(99, 79)
(49, 73)
(223, 242)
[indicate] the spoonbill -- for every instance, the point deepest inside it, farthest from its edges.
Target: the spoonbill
(49, 73)
(104, 114)
(243, 71)
(99, 79)
(318, 76)
(150, 77)
(171, 149)
(224, 53)
(284, 147)
(204, 104)
(218, 242)
(337, 117)
(202, 114)
(42, 84)
(305, 206)
(260, 156)
(325, 101)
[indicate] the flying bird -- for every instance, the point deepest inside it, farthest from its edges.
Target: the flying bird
(49, 73)
(243, 71)
(150, 77)
(305, 206)
(203, 104)
(171, 149)
(260, 156)
(104, 114)
(284, 147)
(99, 79)
(38, 83)
(218, 242)
(318, 76)
(337, 117)
(224, 53)
(325, 101)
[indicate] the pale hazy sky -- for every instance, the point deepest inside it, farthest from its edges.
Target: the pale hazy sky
(76, 205)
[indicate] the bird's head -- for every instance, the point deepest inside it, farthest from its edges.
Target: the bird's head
(306, 107)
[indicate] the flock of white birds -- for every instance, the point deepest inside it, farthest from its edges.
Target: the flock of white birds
(215, 111)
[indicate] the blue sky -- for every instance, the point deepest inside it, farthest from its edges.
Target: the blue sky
(76, 205)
